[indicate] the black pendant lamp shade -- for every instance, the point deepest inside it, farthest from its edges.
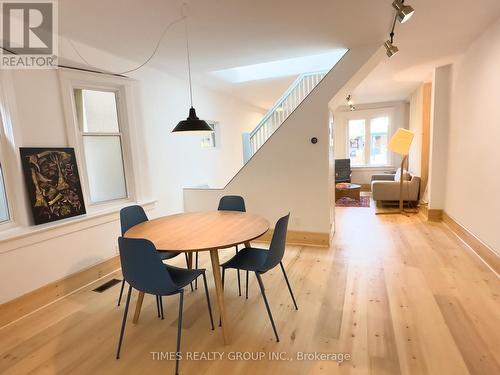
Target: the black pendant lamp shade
(192, 123)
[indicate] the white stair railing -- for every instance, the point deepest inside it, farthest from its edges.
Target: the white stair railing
(283, 108)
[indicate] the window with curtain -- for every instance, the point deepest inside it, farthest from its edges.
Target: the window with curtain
(367, 141)
(4, 207)
(379, 130)
(357, 142)
(101, 138)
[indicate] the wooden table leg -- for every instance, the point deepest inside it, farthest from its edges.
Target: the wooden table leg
(214, 257)
(189, 255)
(140, 298)
(247, 244)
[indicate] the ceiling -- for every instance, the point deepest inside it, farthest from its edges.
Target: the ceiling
(231, 33)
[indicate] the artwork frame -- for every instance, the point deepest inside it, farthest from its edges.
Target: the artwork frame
(53, 183)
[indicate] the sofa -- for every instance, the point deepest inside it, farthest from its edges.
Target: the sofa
(385, 187)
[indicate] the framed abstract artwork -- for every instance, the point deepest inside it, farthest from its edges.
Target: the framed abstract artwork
(53, 183)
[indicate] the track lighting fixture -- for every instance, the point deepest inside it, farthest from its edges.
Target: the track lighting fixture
(390, 48)
(404, 12)
(350, 103)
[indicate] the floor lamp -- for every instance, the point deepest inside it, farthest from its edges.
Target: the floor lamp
(400, 144)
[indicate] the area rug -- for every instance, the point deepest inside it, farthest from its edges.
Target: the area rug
(364, 201)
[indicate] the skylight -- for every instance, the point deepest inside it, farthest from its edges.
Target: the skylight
(281, 68)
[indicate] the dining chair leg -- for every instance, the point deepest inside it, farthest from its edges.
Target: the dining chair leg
(179, 331)
(246, 291)
(158, 305)
(288, 284)
(223, 276)
(196, 267)
(208, 301)
(239, 280)
(262, 290)
(121, 292)
(124, 321)
(189, 267)
(160, 298)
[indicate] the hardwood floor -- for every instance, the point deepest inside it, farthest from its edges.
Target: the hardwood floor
(400, 295)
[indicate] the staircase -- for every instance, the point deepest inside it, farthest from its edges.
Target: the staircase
(288, 102)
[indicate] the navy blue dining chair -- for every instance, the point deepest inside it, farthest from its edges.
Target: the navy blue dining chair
(144, 270)
(129, 217)
(230, 203)
(262, 260)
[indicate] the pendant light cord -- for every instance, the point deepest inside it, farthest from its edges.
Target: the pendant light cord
(150, 57)
(187, 53)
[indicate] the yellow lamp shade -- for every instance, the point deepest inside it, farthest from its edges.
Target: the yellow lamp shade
(401, 141)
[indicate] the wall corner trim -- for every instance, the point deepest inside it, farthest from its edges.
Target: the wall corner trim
(431, 214)
(483, 251)
(434, 214)
(300, 238)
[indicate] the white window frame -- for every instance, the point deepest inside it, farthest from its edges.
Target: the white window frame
(9, 155)
(368, 115)
(122, 87)
(3, 180)
(82, 134)
(214, 136)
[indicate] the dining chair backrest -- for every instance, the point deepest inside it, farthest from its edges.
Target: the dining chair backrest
(142, 267)
(130, 216)
(232, 203)
(277, 247)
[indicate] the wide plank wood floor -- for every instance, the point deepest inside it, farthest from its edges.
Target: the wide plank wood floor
(400, 295)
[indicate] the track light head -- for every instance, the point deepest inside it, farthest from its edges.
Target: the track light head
(390, 48)
(350, 103)
(404, 12)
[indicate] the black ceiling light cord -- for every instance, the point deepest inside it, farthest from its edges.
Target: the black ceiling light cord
(192, 123)
(70, 67)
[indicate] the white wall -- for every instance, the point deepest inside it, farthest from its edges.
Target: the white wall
(473, 159)
(399, 118)
(415, 123)
(33, 260)
(439, 136)
(40, 255)
(178, 160)
(289, 173)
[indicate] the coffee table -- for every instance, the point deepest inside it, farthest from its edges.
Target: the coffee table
(345, 189)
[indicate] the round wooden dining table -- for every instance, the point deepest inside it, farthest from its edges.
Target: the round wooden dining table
(201, 231)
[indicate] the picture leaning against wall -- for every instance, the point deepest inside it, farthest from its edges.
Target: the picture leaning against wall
(53, 183)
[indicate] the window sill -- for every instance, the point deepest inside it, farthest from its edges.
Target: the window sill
(20, 236)
(373, 167)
